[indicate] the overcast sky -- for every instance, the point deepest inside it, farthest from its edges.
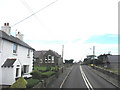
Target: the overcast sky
(77, 24)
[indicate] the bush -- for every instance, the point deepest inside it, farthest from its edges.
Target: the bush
(20, 83)
(36, 74)
(47, 74)
(32, 82)
(40, 68)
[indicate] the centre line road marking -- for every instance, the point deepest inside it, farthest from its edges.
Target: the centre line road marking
(89, 86)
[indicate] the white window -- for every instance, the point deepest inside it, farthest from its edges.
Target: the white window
(25, 68)
(28, 52)
(17, 72)
(46, 59)
(52, 59)
(41, 61)
(49, 58)
(15, 48)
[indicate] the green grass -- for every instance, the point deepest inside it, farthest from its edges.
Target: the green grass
(112, 70)
(41, 68)
(48, 74)
(32, 82)
(52, 68)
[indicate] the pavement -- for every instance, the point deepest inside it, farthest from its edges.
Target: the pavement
(58, 82)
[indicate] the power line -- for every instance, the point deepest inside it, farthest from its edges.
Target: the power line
(35, 13)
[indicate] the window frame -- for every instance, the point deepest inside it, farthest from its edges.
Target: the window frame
(15, 47)
(28, 52)
(25, 69)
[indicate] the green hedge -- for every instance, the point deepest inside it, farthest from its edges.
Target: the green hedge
(40, 68)
(32, 82)
(47, 74)
(36, 74)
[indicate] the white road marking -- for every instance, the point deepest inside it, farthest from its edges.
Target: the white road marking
(89, 86)
(65, 78)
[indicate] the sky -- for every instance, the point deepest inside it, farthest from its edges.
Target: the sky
(77, 24)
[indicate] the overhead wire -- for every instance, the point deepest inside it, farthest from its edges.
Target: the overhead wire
(34, 13)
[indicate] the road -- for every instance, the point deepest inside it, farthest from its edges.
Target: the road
(82, 76)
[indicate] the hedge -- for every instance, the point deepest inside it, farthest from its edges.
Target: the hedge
(32, 82)
(47, 74)
(36, 74)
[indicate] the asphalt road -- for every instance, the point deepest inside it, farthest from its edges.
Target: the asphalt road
(83, 77)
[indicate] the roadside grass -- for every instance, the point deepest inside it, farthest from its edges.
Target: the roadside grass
(111, 70)
(114, 71)
(32, 82)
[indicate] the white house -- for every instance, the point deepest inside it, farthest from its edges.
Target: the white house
(16, 57)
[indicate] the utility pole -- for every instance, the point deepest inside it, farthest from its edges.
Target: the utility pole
(93, 54)
(93, 51)
(62, 51)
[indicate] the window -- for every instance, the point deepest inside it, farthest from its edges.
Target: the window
(17, 72)
(49, 58)
(41, 61)
(52, 59)
(25, 68)
(28, 52)
(46, 59)
(15, 48)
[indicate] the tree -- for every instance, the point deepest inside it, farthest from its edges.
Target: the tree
(71, 60)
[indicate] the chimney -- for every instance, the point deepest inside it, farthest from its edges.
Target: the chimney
(19, 36)
(6, 28)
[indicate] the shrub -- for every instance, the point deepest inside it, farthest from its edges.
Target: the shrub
(36, 74)
(47, 74)
(20, 83)
(40, 68)
(52, 68)
(32, 82)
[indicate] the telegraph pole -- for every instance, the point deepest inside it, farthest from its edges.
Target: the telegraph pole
(93, 51)
(62, 51)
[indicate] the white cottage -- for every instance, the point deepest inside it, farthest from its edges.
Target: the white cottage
(16, 57)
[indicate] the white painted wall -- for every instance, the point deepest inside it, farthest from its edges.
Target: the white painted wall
(0, 60)
(6, 52)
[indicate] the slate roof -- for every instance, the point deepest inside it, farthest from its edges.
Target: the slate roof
(13, 39)
(9, 63)
(114, 58)
(37, 53)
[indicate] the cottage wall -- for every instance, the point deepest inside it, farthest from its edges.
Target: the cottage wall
(6, 52)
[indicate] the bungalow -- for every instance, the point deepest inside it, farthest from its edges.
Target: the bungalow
(16, 57)
(47, 57)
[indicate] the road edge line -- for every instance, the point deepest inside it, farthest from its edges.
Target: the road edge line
(65, 78)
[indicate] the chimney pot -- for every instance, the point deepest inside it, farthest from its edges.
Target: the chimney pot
(7, 24)
(4, 24)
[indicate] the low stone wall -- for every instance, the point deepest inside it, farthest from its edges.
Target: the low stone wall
(110, 74)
